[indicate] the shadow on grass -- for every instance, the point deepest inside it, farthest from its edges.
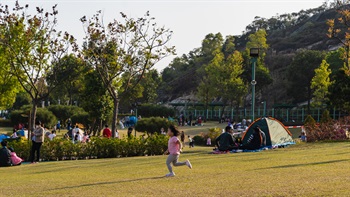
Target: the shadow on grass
(344, 153)
(305, 164)
(110, 183)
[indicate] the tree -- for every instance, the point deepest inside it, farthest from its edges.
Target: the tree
(9, 85)
(258, 40)
(32, 45)
(22, 98)
(335, 61)
(100, 105)
(320, 83)
(341, 25)
(122, 52)
(150, 85)
(339, 91)
(205, 91)
(225, 77)
(211, 43)
(300, 74)
(69, 71)
(263, 77)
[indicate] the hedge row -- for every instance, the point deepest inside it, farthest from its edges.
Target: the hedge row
(63, 149)
(149, 110)
(49, 116)
(153, 125)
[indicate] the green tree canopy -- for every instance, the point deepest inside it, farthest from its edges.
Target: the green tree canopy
(339, 91)
(300, 74)
(32, 44)
(320, 83)
(123, 51)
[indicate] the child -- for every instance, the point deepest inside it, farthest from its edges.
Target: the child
(15, 160)
(174, 147)
(86, 138)
(52, 135)
(208, 141)
(14, 135)
(303, 135)
(191, 144)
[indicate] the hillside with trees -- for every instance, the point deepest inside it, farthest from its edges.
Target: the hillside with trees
(292, 46)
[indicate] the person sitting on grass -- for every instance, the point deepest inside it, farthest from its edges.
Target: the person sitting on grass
(15, 160)
(226, 142)
(14, 135)
(255, 140)
(5, 156)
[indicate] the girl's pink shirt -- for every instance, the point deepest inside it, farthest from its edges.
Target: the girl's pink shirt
(15, 159)
(174, 145)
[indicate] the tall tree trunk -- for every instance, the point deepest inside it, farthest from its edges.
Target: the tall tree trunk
(33, 116)
(32, 119)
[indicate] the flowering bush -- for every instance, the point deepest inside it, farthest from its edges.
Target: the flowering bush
(330, 130)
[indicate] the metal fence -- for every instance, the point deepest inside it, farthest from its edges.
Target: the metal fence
(285, 115)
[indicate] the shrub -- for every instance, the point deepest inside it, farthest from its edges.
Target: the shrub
(18, 116)
(63, 112)
(156, 144)
(46, 117)
(22, 148)
(152, 125)
(63, 149)
(42, 114)
(331, 130)
(81, 117)
(325, 117)
(5, 123)
(214, 133)
(309, 121)
(200, 140)
(149, 110)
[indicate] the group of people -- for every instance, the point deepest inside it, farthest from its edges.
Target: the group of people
(182, 120)
(8, 157)
(226, 141)
(128, 121)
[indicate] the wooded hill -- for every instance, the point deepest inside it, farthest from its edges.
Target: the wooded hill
(286, 35)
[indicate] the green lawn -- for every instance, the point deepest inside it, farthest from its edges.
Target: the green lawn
(319, 169)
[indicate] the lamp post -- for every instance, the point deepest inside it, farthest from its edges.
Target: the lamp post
(254, 53)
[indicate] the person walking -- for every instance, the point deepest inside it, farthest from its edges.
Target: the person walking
(174, 148)
(37, 141)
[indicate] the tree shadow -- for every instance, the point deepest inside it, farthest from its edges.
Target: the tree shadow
(110, 183)
(304, 164)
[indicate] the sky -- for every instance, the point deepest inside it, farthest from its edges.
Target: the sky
(190, 20)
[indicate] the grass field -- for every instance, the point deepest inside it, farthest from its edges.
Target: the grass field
(317, 169)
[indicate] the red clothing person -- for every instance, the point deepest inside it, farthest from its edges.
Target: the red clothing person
(107, 132)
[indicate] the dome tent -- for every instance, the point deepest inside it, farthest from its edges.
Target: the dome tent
(276, 133)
